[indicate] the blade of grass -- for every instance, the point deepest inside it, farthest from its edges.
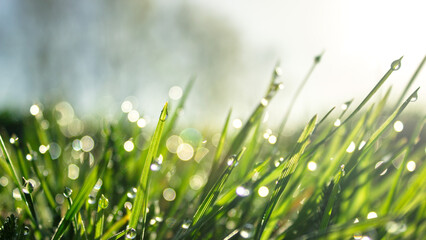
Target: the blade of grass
(83, 194)
(394, 67)
(217, 188)
(15, 178)
(290, 166)
(317, 60)
(217, 155)
(141, 200)
(410, 83)
(330, 204)
(397, 178)
(102, 204)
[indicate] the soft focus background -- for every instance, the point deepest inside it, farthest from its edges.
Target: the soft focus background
(95, 54)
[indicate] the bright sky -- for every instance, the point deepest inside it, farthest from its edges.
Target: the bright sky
(360, 38)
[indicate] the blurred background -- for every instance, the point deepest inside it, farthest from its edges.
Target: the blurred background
(97, 54)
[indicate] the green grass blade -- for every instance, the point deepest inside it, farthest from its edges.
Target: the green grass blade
(329, 207)
(317, 60)
(410, 83)
(217, 155)
(15, 178)
(83, 194)
(173, 117)
(141, 200)
(217, 188)
(394, 66)
(102, 204)
(397, 178)
(290, 166)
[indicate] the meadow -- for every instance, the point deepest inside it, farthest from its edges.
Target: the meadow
(354, 172)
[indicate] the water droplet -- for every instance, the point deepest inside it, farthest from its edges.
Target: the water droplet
(34, 110)
(103, 202)
(357, 236)
(186, 224)
(91, 200)
(263, 191)
(13, 139)
(28, 187)
(277, 163)
(231, 160)
(351, 147)
(277, 86)
(132, 193)
(396, 64)
(157, 163)
(129, 145)
(128, 205)
(67, 192)
(29, 157)
(98, 185)
(278, 71)
(342, 168)
(26, 230)
(395, 228)
(312, 166)
(264, 102)
(337, 123)
(247, 230)
(371, 215)
(242, 191)
(131, 233)
(414, 98)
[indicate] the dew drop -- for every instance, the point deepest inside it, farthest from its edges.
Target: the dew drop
(186, 224)
(91, 200)
(231, 160)
(131, 233)
(26, 230)
(103, 202)
(278, 71)
(247, 231)
(29, 157)
(98, 185)
(157, 163)
(342, 168)
(28, 187)
(414, 98)
(242, 191)
(14, 139)
(132, 193)
(396, 64)
(128, 205)
(264, 102)
(337, 123)
(67, 192)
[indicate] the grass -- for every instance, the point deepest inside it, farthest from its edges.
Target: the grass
(354, 177)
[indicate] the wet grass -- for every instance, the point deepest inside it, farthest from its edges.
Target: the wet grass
(356, 177)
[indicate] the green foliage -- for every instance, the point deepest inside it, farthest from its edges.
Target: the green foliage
(345, 175)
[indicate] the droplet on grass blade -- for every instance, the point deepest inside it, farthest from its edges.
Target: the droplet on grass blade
(242, 191)
(414, 98)
(103, 202)
(337, 123)
(28, 187)
(396, 64)
(131, 233)
(91, 200)
(67, 192)
(132, 193)
(26, 230)
(247, 231)
(231, 160)
(34, 110)
(186, 224)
